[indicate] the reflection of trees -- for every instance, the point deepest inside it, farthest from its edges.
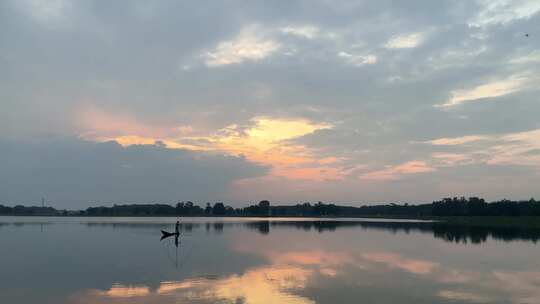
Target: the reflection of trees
(444, 231)
(477, 235)
(21, 224)
(218, 227)
(460, 234)
(262, 226)
(448, 232)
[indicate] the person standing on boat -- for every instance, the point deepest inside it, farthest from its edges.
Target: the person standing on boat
(176, 227)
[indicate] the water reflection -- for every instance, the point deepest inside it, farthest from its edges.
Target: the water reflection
(261, 285)
(290, 276)
(439, 230)
(105, 260)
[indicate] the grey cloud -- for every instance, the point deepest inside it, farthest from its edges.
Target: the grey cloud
(137, 50)
(73, 173)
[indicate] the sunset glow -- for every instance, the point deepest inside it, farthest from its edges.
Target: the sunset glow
(263, 141)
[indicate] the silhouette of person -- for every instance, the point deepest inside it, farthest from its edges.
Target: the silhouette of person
(176, 227)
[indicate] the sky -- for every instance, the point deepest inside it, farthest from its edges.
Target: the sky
(351, 102)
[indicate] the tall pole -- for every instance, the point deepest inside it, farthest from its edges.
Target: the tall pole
(43, 202)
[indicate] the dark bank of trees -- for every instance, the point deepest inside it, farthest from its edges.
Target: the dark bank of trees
(446, 207)
(20, 210)
(180, 209)
(462, 206)
(475, 206)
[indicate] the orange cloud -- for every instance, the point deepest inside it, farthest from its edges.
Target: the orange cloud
(498, 88)
(508, 149)
(121, 291)
(130, 140)
(94, 122)
(393, 173)
(264, 140)
(451, 141)
(169, 287)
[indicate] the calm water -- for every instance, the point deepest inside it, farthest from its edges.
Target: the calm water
(122, 260)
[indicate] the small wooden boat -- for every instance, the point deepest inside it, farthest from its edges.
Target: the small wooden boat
(167, 234)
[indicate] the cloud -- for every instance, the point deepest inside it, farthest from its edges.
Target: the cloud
(249, 45)
(304, 31)
(396, 172)
(518, 148)
(515, 149)
(263, 140)
(452, 159)
(489, 90)
(463, 296)
(93, 121)
(456, 140)
(121, 291)
(47, 12)
(269, 141)
(357, 60)
(495, 12)
(531, 57)
(73, 173)
(406, 41)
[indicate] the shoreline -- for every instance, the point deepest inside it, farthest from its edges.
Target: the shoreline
(477, 221)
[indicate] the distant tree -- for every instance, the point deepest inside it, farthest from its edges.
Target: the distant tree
(208, 209)
(5, 210)
(180, 208)
(218, 209)
(319, 209)
(264, 208)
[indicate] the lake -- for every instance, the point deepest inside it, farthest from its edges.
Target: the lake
(254, 260)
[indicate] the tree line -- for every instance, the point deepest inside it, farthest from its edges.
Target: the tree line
(475, 206)
(462, 206)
